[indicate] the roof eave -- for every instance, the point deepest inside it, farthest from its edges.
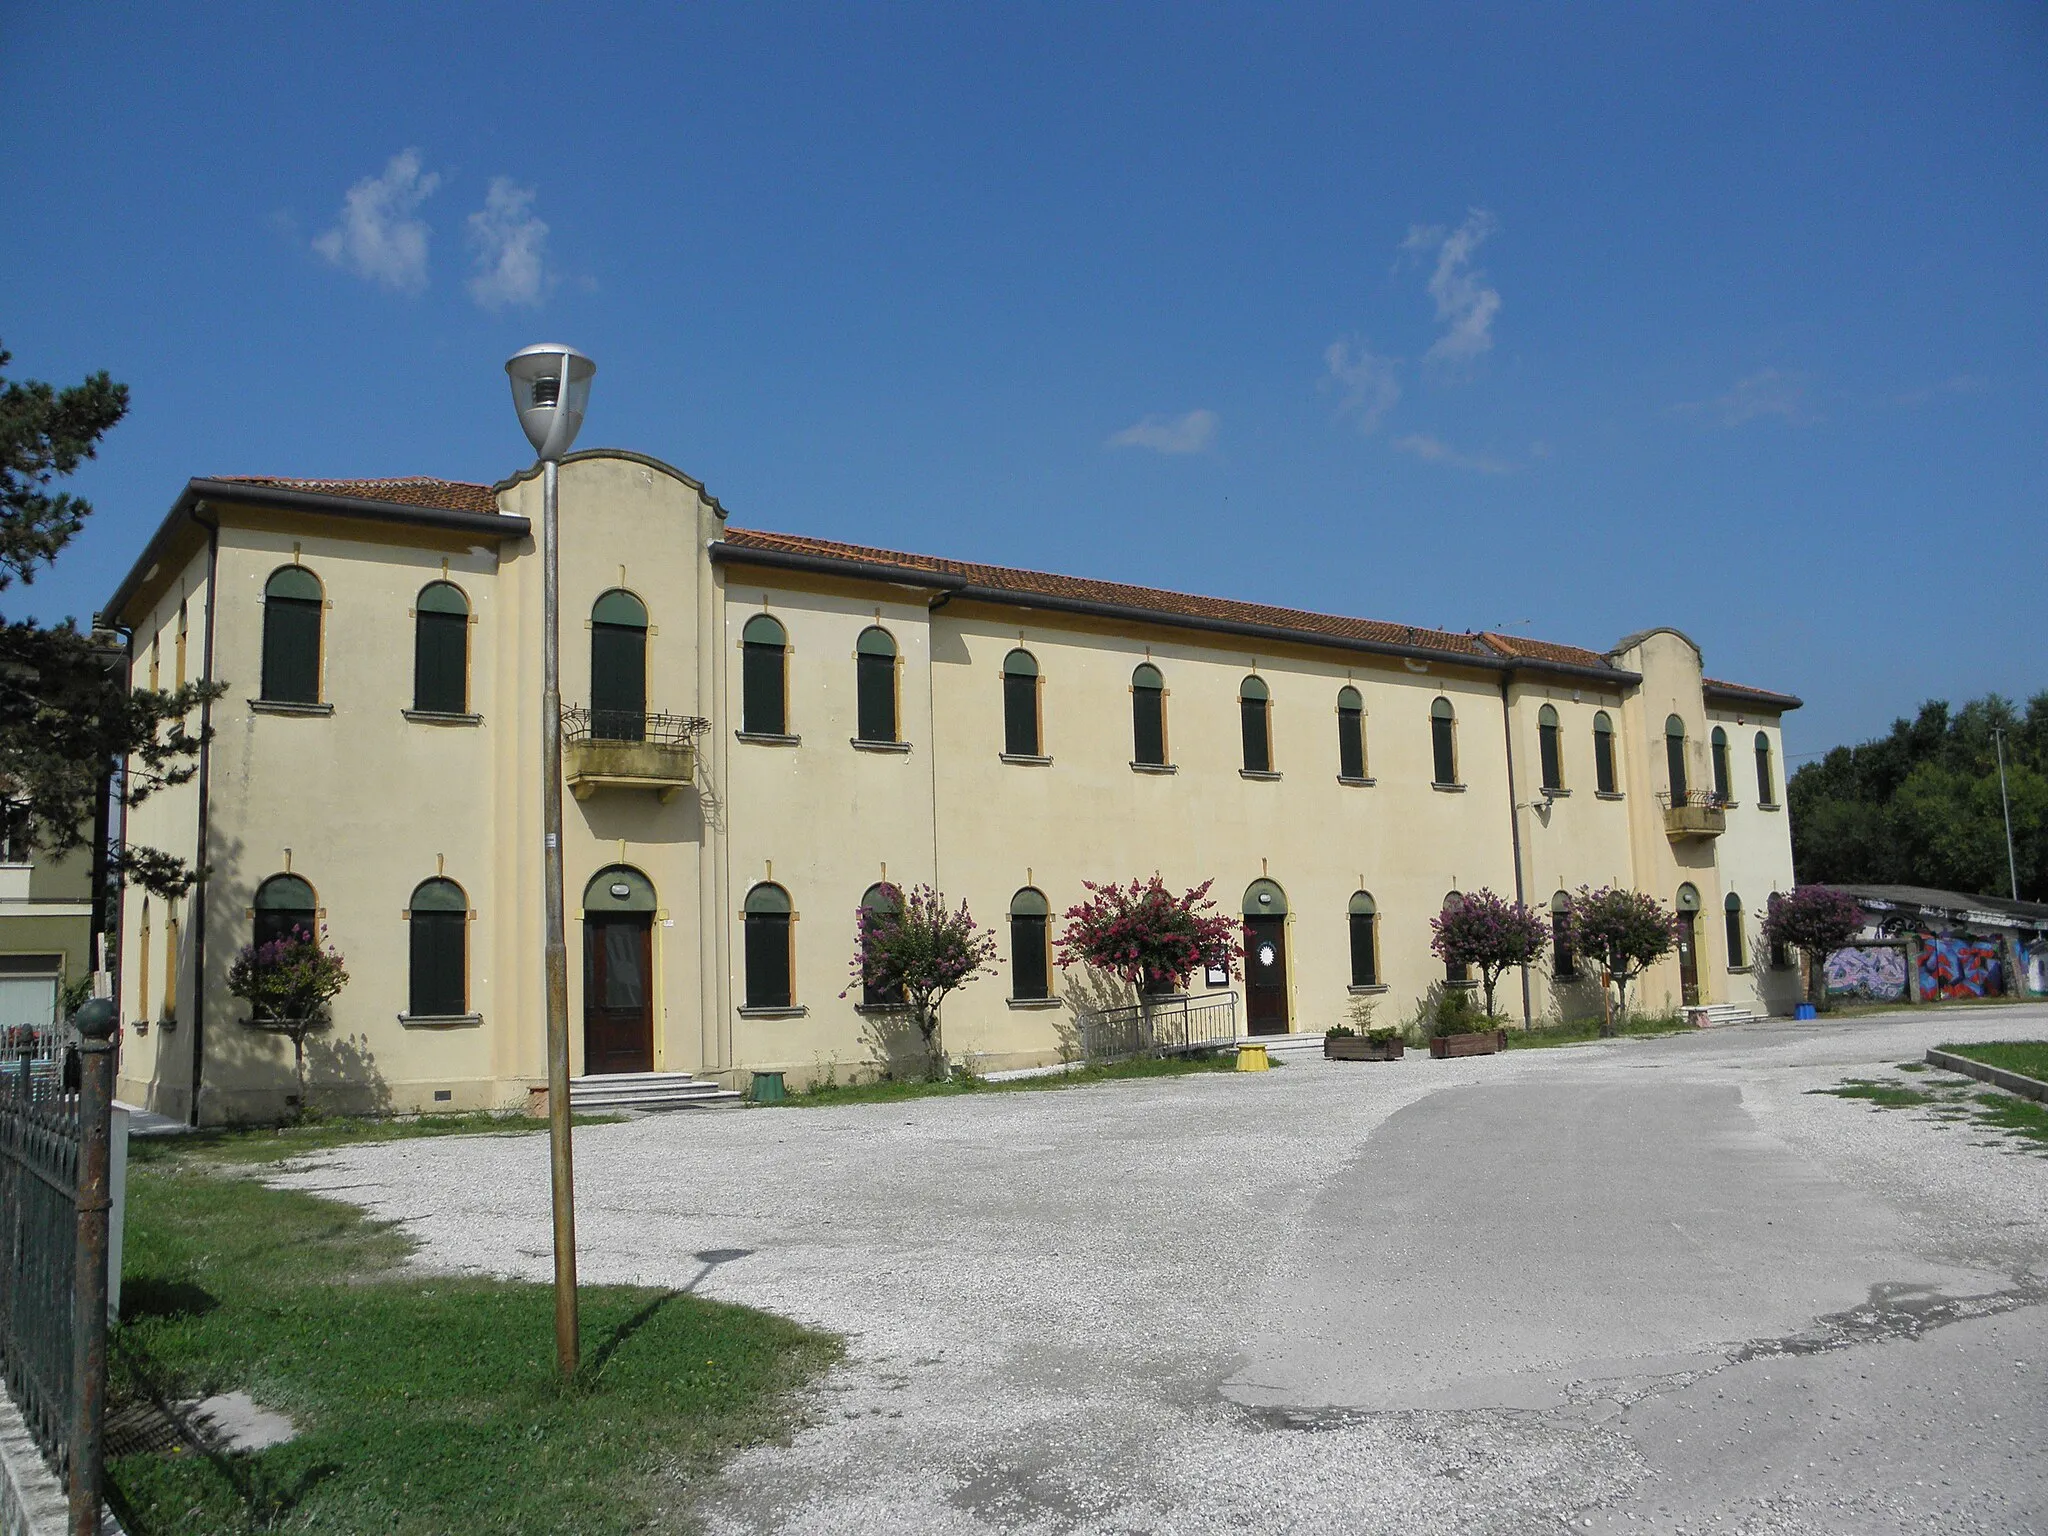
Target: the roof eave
(1755, 698)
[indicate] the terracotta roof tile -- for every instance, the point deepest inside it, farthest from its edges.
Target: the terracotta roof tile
(1522, 648)
(1166, 604)
(409, 491)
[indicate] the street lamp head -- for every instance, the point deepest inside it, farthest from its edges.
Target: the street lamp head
(550, 388)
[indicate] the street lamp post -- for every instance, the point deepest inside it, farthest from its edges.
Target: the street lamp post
(2012, 868)
(550, 388)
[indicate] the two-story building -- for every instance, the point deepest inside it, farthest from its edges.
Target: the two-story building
(766, 731)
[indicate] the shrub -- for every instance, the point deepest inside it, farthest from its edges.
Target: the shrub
(1146, 935)
(1485, 930)
(1623, 932)
(288, 984)
(1383, 1036)
(917, 949)
(1817, 919)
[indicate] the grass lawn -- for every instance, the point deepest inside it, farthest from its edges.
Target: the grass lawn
(890, 1092)
(2029, 1058)
(1947, 1097)
(425, 1404)
(1589, 1029)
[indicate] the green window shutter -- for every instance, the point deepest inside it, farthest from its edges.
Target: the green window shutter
(439, 943)
(1350, 741)
(1030, 977)
(291, 649)
(1256, 721)
(1674, 757)
(440, 663)
(618, 681)
(1020, 715)
(1444, 749)
(1148, 718)
(1364, 956)
(767, 941)
(876, 682)
(283, 903)
(762, 694)
(1603, 755)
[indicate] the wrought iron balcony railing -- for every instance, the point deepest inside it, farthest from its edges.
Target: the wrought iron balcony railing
(1695, 813)
(629, 749)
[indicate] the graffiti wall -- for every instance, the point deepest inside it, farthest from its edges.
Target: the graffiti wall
(1959, 966)
(1872, 973)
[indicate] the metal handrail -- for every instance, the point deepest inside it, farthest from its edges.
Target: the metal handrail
(1169, 1025)
(1707, 799)
(663, 730)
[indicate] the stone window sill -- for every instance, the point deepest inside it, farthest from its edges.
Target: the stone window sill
(1556, 792)
(441, 717)
(1034, 1002)
(767, 739)
(862, 745)
(1449, 789)
(1372, 989)
(286, 707)
(1769, 805)
(1026, 759)
(797, 1011)
(1263, 775)
(1154, 768)
(1738, 970)
(1357, 783)
(1608, 794)
(440, 1020)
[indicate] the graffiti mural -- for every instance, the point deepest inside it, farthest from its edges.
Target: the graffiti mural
(1872, 973)
(1952, 966)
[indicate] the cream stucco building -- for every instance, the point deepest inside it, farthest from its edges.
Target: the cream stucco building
(765, 727)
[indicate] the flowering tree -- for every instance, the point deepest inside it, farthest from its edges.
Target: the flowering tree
(288, 984)
(1485, 930)
(1146, 935)
(1624, 932)
(1817, 919)
(917, 949)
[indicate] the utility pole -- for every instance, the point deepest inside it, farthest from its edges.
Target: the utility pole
(2012, 868)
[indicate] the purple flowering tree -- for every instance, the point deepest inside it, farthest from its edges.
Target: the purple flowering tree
(288, 984)
(1817, 919)
(917, 949)
(1490, 932)
(1146, 935)
(1624, 932)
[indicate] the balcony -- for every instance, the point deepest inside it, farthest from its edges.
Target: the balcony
(1696, 813)
(615, 749)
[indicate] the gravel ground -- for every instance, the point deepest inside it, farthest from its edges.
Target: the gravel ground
(1417, 1297)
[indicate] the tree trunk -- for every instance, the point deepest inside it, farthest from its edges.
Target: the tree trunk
(299, 1070)
(1606, 1005)
(1817, 980)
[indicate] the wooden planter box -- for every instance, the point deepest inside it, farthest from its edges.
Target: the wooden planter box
(1358, 1048)
(1485, 1043)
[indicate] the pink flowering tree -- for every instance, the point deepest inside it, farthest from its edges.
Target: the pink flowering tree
(1146, 935)
(1624, 932)
(1817, 919)
(288, 984)
(1489, 932)
(918, 949)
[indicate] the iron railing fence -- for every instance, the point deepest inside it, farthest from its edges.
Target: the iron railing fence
(1701, 799)
(33, 1054)
(40, 1149)
(581, 724)
(1171, 1025)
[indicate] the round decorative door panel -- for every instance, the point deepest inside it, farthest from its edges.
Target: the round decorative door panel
(1267, 955)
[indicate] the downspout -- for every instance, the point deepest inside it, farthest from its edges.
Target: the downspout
(1514, 823)
(931, 690)
(199, 856)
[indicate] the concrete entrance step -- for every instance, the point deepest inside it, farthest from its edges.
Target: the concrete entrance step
(647, 1091)
(1286, 1045)
(1717, 1015)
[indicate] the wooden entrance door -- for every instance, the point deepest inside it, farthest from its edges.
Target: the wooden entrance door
(1688, 959)
(1265, 975)
(618, 992)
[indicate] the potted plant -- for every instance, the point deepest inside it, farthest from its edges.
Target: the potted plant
(1361, 1040)
(1462, 1030)
(288, 983)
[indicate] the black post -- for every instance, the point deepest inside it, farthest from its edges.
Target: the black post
(95, 1025)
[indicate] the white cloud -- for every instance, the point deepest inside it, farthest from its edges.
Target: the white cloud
(1767, 392)
(510, 241)
(1464, 303)
(1169, 434)
(1434, 450)
(1960, 384)
(377, 237)
(1370, 384)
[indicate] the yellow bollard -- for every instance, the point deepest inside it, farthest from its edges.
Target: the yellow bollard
(1253, 1058)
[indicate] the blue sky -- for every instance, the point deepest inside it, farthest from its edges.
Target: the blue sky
(1563, 321)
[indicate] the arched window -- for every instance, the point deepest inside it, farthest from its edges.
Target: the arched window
(1030, 946)
(1738, 953)
(1766, 784)
(283, 903)
(1022, 736)
(1603, 754)
(1443, 740)
(770, 945)
(1564, 960)
(1724, 789)
(1549, 748)
(875, 674)
(1365, 941)
(764, 686)
(1255, 706)
(618, 667)
(1455, 970)
(1674, 757)
(1350, 735)
(440, 650)
(881, 899)
(1148, 717)
(292, 605)
(438, 917)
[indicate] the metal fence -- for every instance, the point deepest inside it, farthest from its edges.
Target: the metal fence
(1164, 1026)
(55, 1167)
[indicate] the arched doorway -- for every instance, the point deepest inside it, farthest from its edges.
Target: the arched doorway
(618, 972)
(1265, 958)
(1688, 945)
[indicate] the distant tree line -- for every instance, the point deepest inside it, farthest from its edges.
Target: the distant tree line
(1920, 806)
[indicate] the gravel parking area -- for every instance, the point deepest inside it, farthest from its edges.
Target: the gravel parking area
(1640, 1285)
